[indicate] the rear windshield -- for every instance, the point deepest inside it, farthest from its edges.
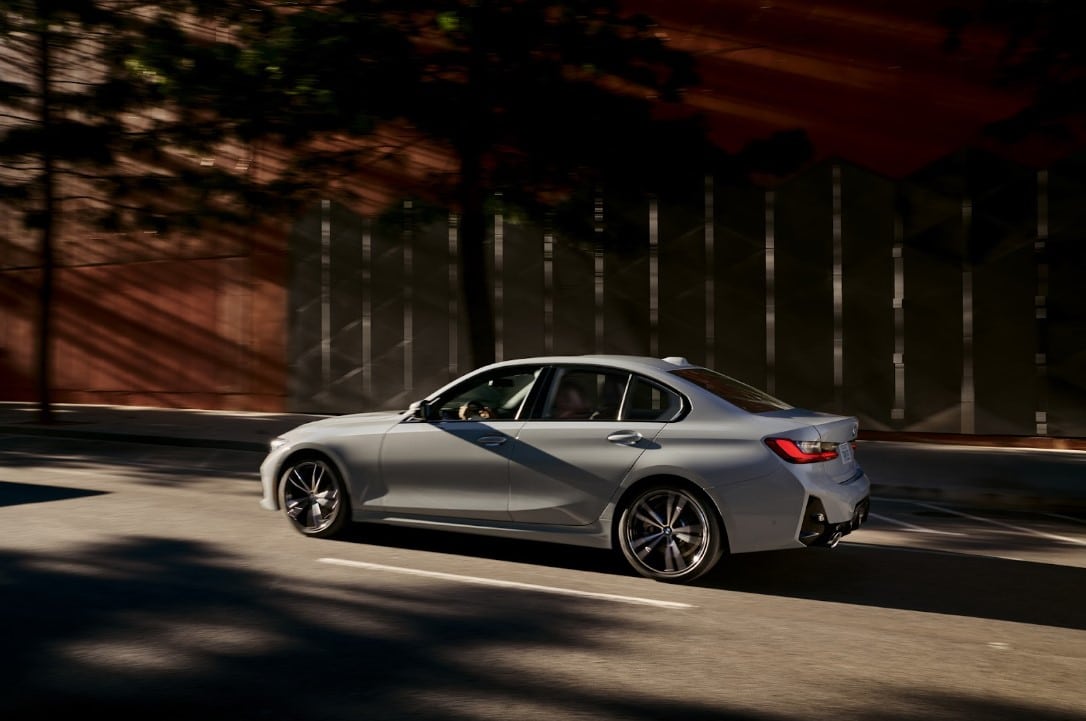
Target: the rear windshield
(735, 392)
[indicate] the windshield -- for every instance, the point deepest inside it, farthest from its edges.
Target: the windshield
(735, 392)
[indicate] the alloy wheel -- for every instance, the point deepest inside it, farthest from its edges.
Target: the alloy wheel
(668, 534)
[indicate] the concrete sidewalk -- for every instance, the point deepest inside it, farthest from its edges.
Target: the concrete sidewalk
(1005, 475)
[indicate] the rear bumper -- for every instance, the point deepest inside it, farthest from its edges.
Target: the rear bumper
(818, 529)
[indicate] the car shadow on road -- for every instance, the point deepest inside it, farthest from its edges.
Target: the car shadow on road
(914, 580)
(867, 575)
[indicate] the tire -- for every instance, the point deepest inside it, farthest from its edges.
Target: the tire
(314, 497)
(669, 533)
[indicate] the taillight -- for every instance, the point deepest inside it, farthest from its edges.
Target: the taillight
(802, 451)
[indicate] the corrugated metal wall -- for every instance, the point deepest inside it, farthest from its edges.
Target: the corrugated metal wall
(947, 302)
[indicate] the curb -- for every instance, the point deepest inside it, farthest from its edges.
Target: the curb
(149, 439)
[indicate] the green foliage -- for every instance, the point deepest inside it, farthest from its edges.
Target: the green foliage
(1043, 52)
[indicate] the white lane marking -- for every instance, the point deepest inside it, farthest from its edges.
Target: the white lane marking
(505, 584)
(992, 521)
(911, 527)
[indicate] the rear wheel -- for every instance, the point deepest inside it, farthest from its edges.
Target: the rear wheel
(668, 533)
(313, 497)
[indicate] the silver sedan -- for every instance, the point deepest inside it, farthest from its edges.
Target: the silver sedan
(673, 464)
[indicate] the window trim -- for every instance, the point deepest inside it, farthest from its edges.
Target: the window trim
(540, 370)
(546, 383)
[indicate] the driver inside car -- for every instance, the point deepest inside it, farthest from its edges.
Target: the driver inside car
(474, 410)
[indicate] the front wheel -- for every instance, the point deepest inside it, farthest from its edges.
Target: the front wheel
(668, 533)
(314, 497)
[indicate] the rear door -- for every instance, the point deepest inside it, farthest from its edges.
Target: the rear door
(568, 462)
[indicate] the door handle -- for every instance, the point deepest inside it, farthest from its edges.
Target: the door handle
(491, 440)
(625, 438)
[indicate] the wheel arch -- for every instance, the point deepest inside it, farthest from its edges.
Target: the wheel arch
(667, 479)
(302, 453)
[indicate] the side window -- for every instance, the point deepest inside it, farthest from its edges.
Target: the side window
(580, 394)
(498, 395)
(647, 401)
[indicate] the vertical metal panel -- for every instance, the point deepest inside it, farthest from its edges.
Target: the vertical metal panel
(770, 292)
(345, 393)
(548, 292)
(598, 295)
(867, 212)
(1040, 356)
(1003, 223)
(498, 283)
(710, 274)
(436, 323)
(654, 278)
(838, 294)
(408, 298)
(455, 293)
(968, 397)
(388, 312)
(898, 255)
(524, 293)
(803, 289)
(739, 268)
(326, 294)
(304, 312)
(366, 291)
(597, 274)
(1062, 271)
(681, 228)
(573, 296)
(931, 212)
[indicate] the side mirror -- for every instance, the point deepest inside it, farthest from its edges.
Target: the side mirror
(421, 410)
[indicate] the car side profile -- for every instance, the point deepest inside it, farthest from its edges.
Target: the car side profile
(672, 464)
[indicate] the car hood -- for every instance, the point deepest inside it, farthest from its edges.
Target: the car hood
(353, 423)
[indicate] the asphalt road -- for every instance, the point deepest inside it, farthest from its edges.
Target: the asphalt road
(145, 582)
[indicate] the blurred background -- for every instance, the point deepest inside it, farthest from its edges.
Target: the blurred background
(869, 208)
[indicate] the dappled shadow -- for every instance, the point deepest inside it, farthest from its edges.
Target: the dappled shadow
(167, 629)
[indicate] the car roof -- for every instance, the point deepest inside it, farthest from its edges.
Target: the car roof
(628, 362)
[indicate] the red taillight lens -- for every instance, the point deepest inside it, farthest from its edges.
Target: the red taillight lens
(802, 451)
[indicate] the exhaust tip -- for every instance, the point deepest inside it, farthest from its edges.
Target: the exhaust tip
(834, 540)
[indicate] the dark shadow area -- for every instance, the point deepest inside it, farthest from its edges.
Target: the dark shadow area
(15, 494)
(170, 630)
(499, 549)
(882, 576)
(931, 582)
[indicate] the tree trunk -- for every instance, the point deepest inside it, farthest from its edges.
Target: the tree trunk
(472, 196)
(474, 278)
